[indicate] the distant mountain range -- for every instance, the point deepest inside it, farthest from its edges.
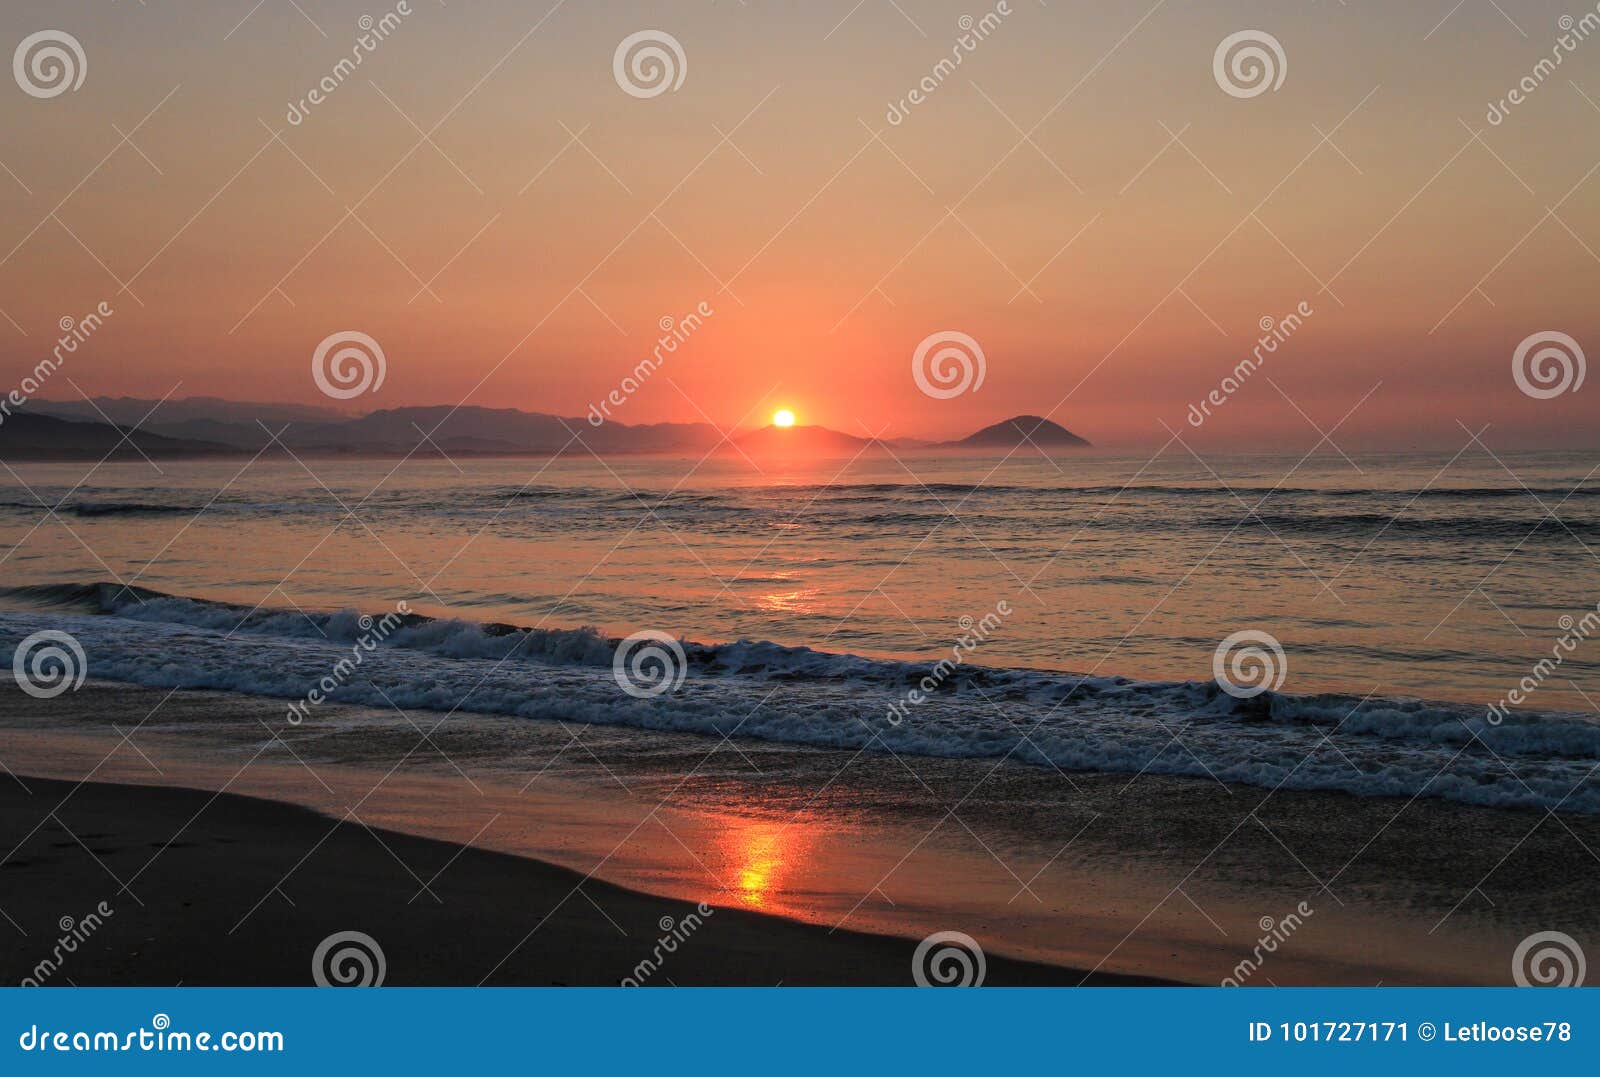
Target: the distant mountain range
(207, 426)
(25, 436)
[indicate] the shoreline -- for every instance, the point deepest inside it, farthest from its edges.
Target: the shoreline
(1169, 879)
(443, 914)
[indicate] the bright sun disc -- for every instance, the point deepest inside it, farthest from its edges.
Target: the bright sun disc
(784, 417)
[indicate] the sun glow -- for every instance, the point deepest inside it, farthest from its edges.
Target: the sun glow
(761, 854)
(783, 417)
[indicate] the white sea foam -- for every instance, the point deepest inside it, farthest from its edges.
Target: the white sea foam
(1394, 747)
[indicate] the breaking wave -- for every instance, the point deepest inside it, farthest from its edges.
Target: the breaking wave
(805, 697)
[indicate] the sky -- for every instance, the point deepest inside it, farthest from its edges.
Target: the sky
(1082, 197)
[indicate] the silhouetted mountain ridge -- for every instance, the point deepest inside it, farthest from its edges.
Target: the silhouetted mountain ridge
(45, 437)
(209, 426)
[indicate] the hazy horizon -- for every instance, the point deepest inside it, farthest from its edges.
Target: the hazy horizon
(1081, 194)
(572, 512)
(89, 410)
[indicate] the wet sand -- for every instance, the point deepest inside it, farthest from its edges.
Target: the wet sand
(191, 887)
(1162, 878)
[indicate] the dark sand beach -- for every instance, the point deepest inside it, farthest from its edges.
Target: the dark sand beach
(242, 843)
(189, 861)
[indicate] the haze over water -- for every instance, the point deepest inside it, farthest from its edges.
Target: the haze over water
(1114, 576)
(883, 556)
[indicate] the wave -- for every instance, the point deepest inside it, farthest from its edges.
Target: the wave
(801, 696)
(1460, 528)
(874, 491)
(84, 597)
(105, 508)
(852, 507)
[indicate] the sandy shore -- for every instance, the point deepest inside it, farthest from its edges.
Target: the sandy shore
(219, 889)
(1171, 879)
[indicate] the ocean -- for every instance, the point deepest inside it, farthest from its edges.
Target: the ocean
(1392, 625)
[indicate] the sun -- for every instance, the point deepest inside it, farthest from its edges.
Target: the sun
(783, 417)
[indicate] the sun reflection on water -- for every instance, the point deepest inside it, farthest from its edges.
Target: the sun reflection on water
(796, 601)
(788, 598)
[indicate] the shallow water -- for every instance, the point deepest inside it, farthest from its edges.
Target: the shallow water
(1114, 579)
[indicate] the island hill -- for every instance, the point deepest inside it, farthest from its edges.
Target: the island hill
(1020, 432)
(120, 428)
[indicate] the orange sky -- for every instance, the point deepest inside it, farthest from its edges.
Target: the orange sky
(554, 219)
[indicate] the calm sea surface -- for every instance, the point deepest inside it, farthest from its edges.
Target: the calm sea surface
(1108, 582)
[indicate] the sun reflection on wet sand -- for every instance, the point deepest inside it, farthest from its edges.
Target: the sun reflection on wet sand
(760, 856)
